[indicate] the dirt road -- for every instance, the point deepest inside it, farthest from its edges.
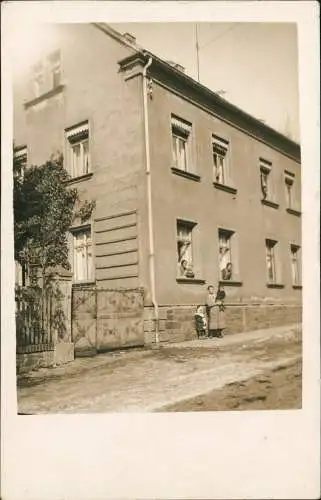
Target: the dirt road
(277, 389)
(171, 377)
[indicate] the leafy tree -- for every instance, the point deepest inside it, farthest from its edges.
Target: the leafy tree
(44, 209)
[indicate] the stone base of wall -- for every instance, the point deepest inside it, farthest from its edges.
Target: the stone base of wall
(62, 353)
(177, 324)
(85, 352)
(34, 361)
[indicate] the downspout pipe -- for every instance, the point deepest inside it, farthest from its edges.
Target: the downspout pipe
(149, 202)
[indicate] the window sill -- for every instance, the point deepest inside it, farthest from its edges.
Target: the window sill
(230, 283)
(44, 96)
(194, 281)
(79, 284)
(297, 287)
(275, 285)
(80, 178)
(187, 175)
(270, 203)
(293, 212)
(224, 187)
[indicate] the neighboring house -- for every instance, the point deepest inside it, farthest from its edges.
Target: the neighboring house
(189, 189)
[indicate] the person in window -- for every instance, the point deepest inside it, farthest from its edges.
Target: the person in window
(227, 272)
(200, 322)
(186, 269)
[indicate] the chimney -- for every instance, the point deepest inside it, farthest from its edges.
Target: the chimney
(177, 66)
(129, 37)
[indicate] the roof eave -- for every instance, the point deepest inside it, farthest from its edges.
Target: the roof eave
(208, 95)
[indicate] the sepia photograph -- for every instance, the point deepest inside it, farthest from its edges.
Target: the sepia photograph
(160, 326)
(157, 218)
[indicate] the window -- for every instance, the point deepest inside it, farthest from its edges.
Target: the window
(38, 78)
(270, 246)
(181, 134)
(47, 74)
(294, 249)
(185, 249)
(225, 254)
(54, 61)
(289, 189)
(21, 275)
(20, 157)
(78, 145)
(265, 173)
(220, 151)
(82, 255)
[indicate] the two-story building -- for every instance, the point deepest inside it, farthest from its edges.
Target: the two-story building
(189, 189)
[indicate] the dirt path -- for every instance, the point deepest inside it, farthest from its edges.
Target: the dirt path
(277, 389)
(150, 379)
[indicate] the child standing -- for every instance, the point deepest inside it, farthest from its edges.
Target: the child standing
(200, 322)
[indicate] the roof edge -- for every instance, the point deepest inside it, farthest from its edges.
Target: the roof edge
(141, 55)
(108, 30)
(205, 93)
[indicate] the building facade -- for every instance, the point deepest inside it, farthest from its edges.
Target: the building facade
(189, 189)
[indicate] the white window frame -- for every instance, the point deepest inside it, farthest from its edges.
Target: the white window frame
(289, 181)
(82, 249)
(78, 137)
(271, 255)
(220, 152)
(225, 251)
(181, 136)
(295, 264)
(265, 178)
(21, 274)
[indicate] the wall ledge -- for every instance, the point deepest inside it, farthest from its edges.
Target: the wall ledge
(80, 178)
(270, 203)
(188, 175)
(194, 281)
(43, 97)
(230, 283)
(225, 187)
(293, 212)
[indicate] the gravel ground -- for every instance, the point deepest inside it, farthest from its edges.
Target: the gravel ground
(277, 389)
(143, 380)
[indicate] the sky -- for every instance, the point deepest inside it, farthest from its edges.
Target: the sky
(254, 63)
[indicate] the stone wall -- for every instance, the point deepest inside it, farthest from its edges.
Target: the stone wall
(260, 316)
(176, 323)
(61, 353)
(33, 360)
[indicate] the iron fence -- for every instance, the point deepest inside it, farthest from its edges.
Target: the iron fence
(34, 320)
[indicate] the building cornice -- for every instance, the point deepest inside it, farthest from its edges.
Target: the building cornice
(108, 30)
(192, 90)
